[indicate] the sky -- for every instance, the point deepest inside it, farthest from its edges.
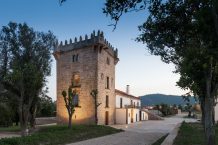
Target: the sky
(145, 73)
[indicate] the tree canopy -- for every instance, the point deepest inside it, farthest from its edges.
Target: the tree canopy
(25, 62)
(184, 33)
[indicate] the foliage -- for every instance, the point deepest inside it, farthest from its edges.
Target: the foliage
(191, 134)
(47, 107)
(166, 109)
(25, 62)
(57, 135)
(6, 115)
(184, 33)
(69, 99)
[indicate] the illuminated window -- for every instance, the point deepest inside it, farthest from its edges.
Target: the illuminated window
(76, 80)
(76, 100)
(107, 101)
(107, 83)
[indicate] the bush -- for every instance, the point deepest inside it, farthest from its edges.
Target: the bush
(6, 115)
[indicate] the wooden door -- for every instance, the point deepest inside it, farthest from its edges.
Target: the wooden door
(106, 117)
(131, 115)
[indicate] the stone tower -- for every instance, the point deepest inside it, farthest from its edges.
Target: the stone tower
(88, 63)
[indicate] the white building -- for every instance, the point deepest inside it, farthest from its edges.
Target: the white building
(128, 108)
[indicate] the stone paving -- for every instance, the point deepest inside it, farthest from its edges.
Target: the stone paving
(140, 133)
(8, 135)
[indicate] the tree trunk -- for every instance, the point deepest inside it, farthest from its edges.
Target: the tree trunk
(202, 110)
(70, 121)
(208, 123)
(24, 114)
(96, 115)
(33, 111)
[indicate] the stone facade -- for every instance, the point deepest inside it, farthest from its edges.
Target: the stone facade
(90, 62)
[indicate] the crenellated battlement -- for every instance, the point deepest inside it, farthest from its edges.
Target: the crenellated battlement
(80, 42)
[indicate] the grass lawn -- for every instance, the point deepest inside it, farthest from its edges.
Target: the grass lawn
(10, 129)
(56, 135)
(159, 141)
(191, 134)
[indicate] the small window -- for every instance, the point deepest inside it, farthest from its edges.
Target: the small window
(131, 102)
(134, 105)
(76, 100)
(76, 80)
(137, 104)
(107, 101)
(107, 83)
(73, 58)
(108, 61)
(77, 57)
(121, 102)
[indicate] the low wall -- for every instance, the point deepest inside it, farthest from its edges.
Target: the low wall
(46, 120)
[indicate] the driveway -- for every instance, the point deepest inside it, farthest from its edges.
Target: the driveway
(140, 133)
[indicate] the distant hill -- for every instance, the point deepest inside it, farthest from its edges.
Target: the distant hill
(153, 99)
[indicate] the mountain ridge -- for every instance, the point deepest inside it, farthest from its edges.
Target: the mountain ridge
(158, 98)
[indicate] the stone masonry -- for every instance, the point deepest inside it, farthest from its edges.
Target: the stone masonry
(92, 62)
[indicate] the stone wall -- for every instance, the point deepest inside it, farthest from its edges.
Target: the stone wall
(93, 68)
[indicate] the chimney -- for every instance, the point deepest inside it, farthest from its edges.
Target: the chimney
(127, 89)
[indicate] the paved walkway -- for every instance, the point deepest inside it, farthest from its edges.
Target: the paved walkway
(8, 135)
(140, 133)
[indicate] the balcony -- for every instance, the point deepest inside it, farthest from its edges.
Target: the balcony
(132, 106)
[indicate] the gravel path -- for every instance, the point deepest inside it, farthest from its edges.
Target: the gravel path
(140, 133)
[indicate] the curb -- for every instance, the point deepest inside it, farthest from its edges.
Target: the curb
(172, 135)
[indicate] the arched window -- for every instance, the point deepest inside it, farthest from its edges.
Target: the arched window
(76, 80)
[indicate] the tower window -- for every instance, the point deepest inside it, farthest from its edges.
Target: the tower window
(121, 102)
(75, 58)
(76, 80)
(107, 101)
(76, 100)
(107, 83)
(108, 61)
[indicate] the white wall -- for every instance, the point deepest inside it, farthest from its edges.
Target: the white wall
(121, 116)
(126, 101)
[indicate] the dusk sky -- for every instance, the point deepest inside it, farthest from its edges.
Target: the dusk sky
(144, 73)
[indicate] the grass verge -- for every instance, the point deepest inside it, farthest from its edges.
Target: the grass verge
(159, 141)
(56, 135)
(10, 129)
(191, 134)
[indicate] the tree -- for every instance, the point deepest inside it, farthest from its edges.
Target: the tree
(94, 94)
(184, 33)
(25, 62)
(46, 107)
(69, 103)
